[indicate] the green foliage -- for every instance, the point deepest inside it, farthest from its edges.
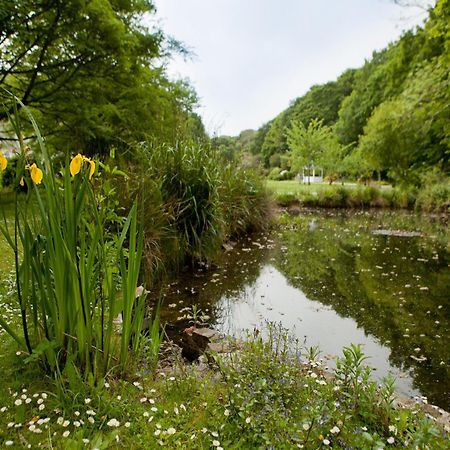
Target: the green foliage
(434, 194)
(311, 145)
(193, 202)
(391, 114)
(66, 270)
(91, 73)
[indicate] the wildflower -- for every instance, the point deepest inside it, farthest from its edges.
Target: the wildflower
(60, 421)
(41, 407)
(77, 424)
(66, 433)
(390, 440)
(91, 419)
(392, 429)
(66, 423)
(171, 430)
(75, 164)
(18, 402)
(113, 423)
(326, 442)
(36, 173)
(3, 164)
(216, 443)
(335, 430)
(226, 412)
(8, 443)
(87, 401)
(247, 420)
(85, 441)
(90, 412)
(127, 424)
(157, 432)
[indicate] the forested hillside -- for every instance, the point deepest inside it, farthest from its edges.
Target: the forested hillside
(389, 118)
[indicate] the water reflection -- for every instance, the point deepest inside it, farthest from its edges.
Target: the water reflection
(332, 281)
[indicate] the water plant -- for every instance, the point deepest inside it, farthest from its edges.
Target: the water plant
(72, 277)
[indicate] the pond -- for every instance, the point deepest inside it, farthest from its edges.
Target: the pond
(376, 278)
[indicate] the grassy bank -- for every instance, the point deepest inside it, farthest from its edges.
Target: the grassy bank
(264, 396)
(430, 198)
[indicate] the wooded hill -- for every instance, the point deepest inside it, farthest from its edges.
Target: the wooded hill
(389, 117)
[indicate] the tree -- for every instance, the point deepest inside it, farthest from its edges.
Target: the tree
(308, 145)
(91, 71)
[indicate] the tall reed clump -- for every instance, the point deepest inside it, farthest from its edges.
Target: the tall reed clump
(244, 201)
(72, 277)
(194, 202)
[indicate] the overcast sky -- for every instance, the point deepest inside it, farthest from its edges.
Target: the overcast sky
(252, 57)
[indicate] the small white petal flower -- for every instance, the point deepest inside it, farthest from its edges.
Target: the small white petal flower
(127, 424)
(9, 443)
(113, 423)
(248, 420)
(157, 432)
(393, 429)
(18, 402)
(390, 440)
(87, 401)
(171, 430)
(41, 407)
(216, 443)
(66, 433)
(66, 423)
(326, 442)
(335, 430)
(91, 419)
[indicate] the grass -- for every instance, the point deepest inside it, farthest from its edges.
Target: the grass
(339, 196)
(263, 396)
(430, 197)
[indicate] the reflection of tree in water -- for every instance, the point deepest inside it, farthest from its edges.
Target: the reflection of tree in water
(228, 279)
(395, 288)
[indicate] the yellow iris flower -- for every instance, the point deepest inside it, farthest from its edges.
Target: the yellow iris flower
(77, 163)
(36, 174)
(3, 161)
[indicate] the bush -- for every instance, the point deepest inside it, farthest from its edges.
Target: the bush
(434, 195)
(193, 203)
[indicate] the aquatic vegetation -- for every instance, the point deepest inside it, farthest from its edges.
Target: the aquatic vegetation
(72, 277)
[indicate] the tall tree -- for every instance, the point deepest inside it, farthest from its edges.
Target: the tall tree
(90, 69)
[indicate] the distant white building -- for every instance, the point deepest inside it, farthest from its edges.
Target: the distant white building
(310, 174)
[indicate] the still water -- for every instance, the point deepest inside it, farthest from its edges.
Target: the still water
(379, 279)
